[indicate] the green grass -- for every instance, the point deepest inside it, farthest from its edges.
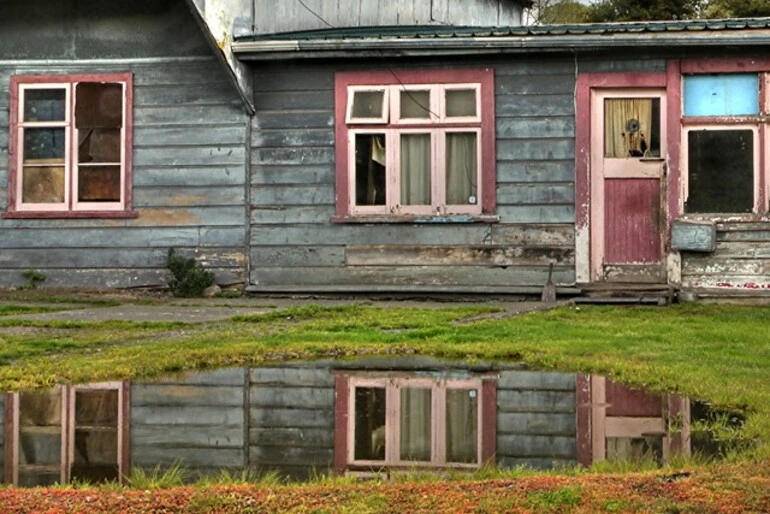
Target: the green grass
(12, 310)
(718, 353)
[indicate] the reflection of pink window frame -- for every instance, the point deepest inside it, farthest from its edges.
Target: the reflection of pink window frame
(437, 124)
(67, 430)
(71, 207)
(344, 446)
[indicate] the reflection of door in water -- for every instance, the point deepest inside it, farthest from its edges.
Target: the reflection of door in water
(627, 209)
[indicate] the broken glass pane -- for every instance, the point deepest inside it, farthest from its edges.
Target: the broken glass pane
(461, 168)
(370, 169)
(99, 145)
(370, 423)
(367, 104)
(460, 103)
(720, 171)
(96, 436)
(98, 105)
(44, 104)
(415, 104)
(99, 184)
(43, 143)
(39, 438)
(415, 421)
(631, 127)
(462, 425)
(42, 184)
(415, 169)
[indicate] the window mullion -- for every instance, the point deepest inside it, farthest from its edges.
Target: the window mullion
(72, 156)
(438, 170)
(393, 171)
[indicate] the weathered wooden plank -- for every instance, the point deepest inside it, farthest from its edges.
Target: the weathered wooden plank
(217, 377)
(214, 134)
(743, 284)
(693, 236)
(280, 455)
(293, 195)
(196, 436)
(536, 149)
(292, 77)
(151, 456)
(308, 119)
(755, 236)
(644, 63)
(295, 100)
(536, 213)
(185, 395)
(550, 127)
(191, 176)
(222, 155)
(547, 446)
(185, 196)
(301, 156)
(535, 171)
(271, 256)
(291, 397)
(216, 93)
(171, 415)
(536, 380)
(523, 193)
(509, 400)
(292, 437)
(113, 278)
(292, 174)
(708, 266)
(739, 250)
(534, 105)
(201, 71)
(429, 276)
(82, 258)
(758, 226)
(294, 377)
(399, 255)
(536, 84)
(534, 463)
(292, 137)
(285, 417)
(290, 214)
(526, 423)
(189, 115)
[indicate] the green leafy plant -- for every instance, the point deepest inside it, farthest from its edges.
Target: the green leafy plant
(34, 278)
(189, 278)
(158, 478)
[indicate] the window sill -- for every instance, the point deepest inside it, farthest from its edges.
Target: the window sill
(416, 219)
(26, 215)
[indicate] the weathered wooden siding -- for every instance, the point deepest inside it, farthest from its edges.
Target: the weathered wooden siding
(197, 421)
(190, 132)
(536, 419)
(291, 420)
(739, 265)
(294, 245)
(271, 16)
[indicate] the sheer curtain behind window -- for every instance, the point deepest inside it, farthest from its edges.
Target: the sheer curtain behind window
(462, 425)
(415, 424)
(621, 139)
(415, 169)
(461, 168)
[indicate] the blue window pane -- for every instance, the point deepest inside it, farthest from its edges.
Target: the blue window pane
(721, 95)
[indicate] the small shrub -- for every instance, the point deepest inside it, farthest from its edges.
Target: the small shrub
(189, 278)
(158, 478)
(34, 277)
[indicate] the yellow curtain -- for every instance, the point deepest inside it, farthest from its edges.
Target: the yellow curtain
(627, 126)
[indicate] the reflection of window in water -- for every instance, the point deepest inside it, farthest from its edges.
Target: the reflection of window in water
(635, 449)
(370, 423)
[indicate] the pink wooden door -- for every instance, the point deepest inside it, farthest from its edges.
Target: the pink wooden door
(628, 149)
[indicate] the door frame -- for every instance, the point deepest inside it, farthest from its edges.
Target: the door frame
(585, 84)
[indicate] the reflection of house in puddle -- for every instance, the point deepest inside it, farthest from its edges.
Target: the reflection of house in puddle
(309, 418)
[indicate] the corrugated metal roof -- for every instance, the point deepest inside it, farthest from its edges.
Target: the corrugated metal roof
(443, 31)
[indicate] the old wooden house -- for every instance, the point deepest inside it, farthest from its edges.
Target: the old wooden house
(301, 420)
(430, 146)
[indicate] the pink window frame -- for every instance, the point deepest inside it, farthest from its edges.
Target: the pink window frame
(69, 209)
(344, 440)
(451, 79)
(11, 468)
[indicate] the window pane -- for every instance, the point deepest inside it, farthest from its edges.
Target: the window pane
(631, 127)
(635, 449)
(461, 168)
(367, 104)
(720, 171)
(415, 422)
(460, 102)
(415, 104)
(721, 95)
(99, 184)
(415, 169)
(98, 105)
(40, 426)
(44, 104)
(462, 425)
(369, 423)
(43, 143)
(96, 436)
(42, 184)
(99, 145)
(370, 169)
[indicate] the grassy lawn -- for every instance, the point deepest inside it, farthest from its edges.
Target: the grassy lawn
(716, 353)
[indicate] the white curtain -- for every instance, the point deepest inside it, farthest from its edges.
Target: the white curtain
(461, 170)
(462, 425)
(415, 424)
(415, 169)
(627, 126)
